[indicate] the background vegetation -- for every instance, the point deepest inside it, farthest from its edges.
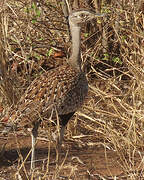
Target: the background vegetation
(105, 139)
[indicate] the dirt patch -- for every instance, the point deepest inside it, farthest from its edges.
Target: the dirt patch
(85, 162)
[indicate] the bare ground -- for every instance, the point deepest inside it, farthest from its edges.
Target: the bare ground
(83, 161)
(76, 161)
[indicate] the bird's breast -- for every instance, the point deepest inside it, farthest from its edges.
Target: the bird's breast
(63, 89)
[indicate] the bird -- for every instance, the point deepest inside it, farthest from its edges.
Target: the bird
(56, 93)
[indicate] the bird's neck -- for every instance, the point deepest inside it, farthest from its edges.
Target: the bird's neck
(75, 58)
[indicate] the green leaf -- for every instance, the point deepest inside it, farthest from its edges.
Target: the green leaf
(34, 21)
(86, 35)
(27, 10)
(33, 6)
(106, 57)
(38, 13)
(49, 52)
(117, 60)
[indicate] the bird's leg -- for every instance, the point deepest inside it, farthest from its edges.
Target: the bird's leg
(33, 151)
(59, 142)
(34, 137)
(64, 120)
(61, 136)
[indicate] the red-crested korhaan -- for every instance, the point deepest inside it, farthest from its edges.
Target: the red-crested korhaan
(56, 93)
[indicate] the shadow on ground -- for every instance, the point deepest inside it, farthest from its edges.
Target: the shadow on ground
(83, 160)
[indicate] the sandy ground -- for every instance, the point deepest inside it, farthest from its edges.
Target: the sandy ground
(85, 162)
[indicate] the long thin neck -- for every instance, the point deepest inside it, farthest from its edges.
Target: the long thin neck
(75, 59)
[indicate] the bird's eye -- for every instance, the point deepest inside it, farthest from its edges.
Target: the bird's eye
(82, 15)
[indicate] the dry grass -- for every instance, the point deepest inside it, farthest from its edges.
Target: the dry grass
(112, 118)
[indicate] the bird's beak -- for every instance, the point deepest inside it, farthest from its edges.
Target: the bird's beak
(95, 15)
(99, 15)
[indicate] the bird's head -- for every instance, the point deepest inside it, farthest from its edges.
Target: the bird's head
(81, 16)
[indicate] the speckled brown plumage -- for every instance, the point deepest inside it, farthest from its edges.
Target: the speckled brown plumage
(64, 88)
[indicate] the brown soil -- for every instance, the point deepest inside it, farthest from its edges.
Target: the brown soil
(87, 163)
